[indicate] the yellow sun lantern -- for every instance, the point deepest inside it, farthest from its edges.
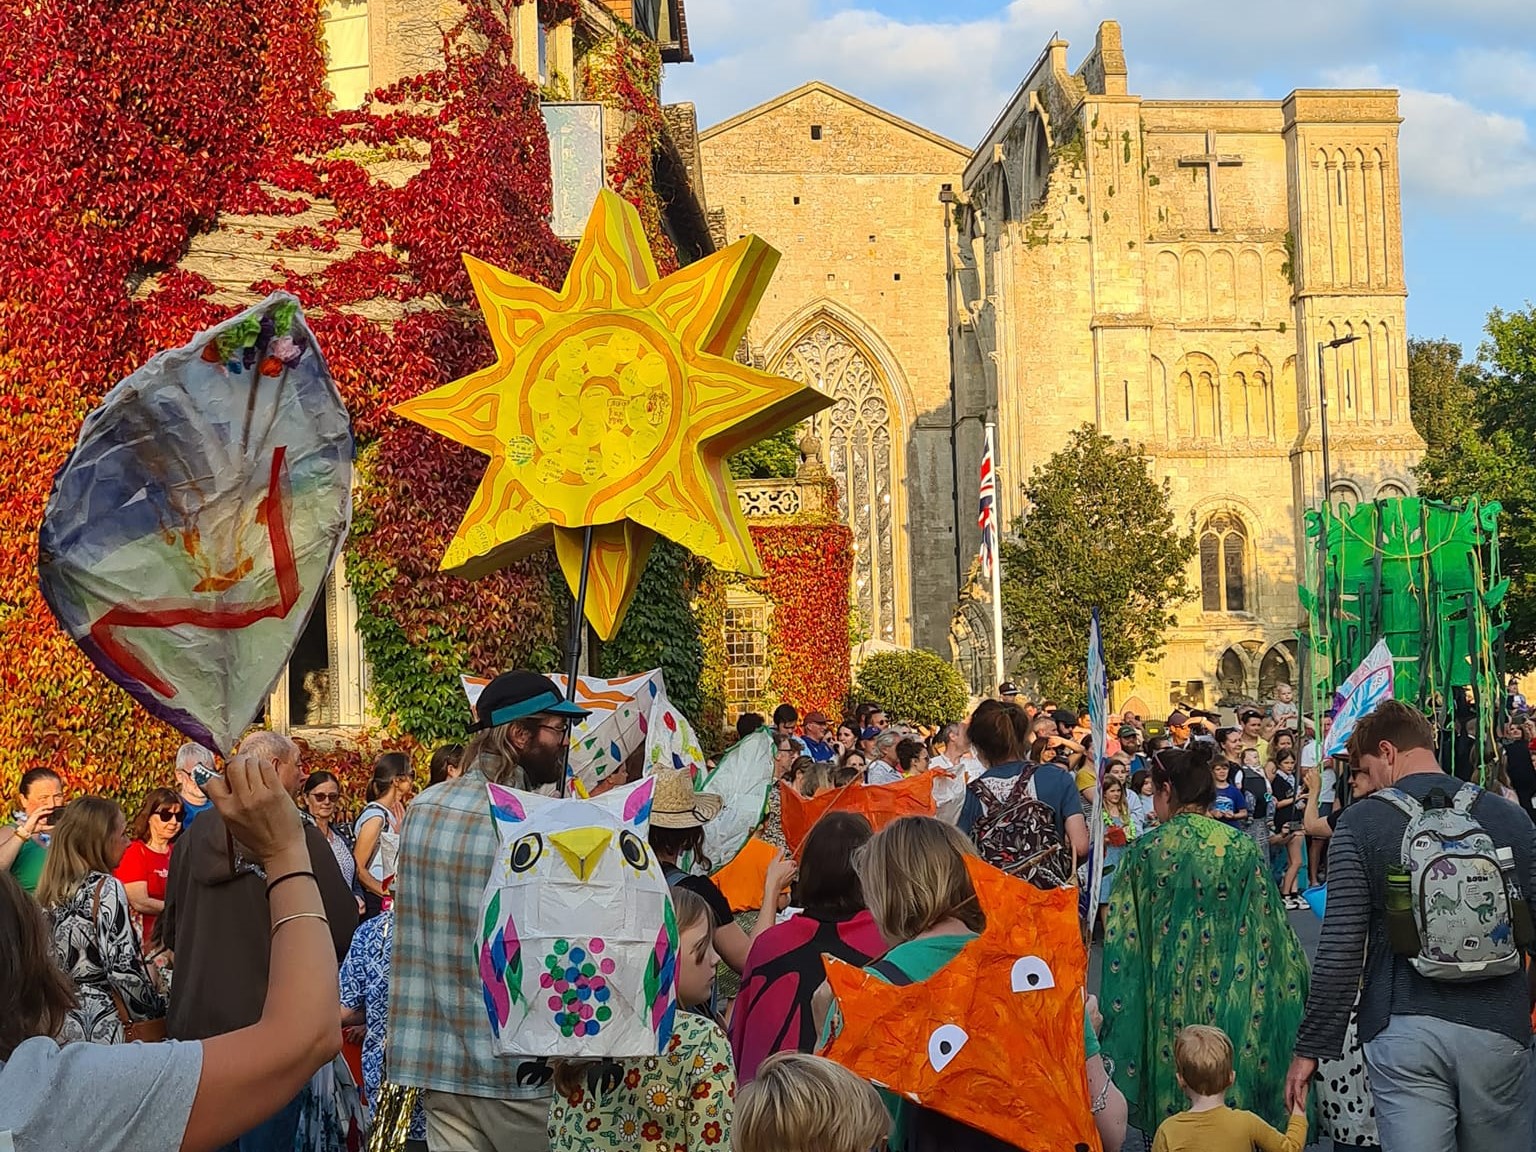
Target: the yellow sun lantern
(613, 405)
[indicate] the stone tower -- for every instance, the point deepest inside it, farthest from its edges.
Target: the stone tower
(1167, 271)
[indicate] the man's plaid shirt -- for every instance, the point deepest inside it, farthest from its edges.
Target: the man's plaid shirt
(439, 1037)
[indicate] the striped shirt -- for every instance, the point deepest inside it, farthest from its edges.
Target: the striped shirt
(438, 1036)
(1353, 942)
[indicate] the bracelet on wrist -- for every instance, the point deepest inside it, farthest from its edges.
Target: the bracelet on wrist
(290, 876)
(299, 916)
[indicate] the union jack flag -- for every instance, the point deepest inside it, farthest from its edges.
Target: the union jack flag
(986, 516)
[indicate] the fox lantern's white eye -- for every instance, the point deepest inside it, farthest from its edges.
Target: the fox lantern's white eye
(945, 1044)
(1031, 974)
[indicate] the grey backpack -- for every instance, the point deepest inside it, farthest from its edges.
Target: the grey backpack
(1461, 905)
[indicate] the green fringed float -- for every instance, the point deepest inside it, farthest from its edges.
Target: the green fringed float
(1423, 575)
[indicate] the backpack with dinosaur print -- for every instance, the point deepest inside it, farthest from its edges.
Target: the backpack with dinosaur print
(1461, 904)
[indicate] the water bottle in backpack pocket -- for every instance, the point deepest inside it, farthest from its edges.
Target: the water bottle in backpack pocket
(1460, 901)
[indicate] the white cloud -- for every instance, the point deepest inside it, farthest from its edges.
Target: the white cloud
(1505, 75)
(1453, 152)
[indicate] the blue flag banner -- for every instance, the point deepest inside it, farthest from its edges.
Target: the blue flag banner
(1367, 686)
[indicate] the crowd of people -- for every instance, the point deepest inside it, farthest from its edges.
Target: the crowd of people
(246, 926)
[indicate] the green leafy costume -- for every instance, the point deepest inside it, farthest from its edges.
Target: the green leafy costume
(1197, 934)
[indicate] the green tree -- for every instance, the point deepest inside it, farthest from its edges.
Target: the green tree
(1442, 392)
(1100, 532)
(660, 629)
(914, 687)
(1488, 450)
(774, 458)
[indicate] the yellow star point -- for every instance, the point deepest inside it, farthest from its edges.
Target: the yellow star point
(613, 404)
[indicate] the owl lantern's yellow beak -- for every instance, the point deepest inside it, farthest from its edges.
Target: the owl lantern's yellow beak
(582, 848)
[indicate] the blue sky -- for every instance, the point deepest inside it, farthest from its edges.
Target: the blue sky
(1467, 73)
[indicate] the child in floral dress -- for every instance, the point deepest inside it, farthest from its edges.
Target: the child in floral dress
(680, 1101)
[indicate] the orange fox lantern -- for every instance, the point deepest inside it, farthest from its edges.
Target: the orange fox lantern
(879, 803)
(995, 1037)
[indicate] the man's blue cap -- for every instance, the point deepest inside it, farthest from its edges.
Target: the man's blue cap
(516, 695)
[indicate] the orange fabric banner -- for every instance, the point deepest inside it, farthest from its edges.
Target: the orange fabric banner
(741, 881)
(879, 803)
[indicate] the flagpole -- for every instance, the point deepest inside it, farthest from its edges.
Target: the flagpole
(997, 570)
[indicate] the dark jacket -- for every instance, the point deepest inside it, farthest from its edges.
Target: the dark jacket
(217, 922)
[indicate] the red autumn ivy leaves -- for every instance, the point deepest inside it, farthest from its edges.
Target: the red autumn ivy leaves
(135, 125)
(808, 567)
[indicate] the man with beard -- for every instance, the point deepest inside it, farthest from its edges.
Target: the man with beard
(474, 1101)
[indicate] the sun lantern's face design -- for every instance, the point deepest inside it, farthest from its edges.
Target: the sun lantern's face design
(613, 404)
(995, 1037)
(577, 949)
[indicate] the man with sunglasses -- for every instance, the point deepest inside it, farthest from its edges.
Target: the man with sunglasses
(474, 1101)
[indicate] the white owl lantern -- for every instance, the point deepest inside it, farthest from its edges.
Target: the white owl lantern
(577, 947)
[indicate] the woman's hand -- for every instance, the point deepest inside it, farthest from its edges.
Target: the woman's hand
(781, 872)
(258, 811)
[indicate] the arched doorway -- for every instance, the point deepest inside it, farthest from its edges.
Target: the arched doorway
(1278, 667)
(861, 437)
(1232, 678)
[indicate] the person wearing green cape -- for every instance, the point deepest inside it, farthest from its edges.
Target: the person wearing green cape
(1197, 934)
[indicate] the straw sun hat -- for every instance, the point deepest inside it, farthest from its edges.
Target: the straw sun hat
(675, 804)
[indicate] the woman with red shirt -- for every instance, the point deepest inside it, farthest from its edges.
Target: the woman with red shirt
(148, 860)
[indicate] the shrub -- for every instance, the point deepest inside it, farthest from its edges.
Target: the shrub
(913, 686)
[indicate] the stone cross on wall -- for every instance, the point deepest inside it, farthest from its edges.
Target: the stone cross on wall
(1210, 160)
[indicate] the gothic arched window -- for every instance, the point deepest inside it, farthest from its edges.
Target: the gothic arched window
(858, 433)
(1224, 564)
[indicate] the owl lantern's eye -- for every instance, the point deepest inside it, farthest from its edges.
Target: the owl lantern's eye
(945, 1044)
(1032, 974)
(526, 852)
(636, 854)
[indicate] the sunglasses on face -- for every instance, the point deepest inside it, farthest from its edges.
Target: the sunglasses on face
(169, 813)
(325, 797)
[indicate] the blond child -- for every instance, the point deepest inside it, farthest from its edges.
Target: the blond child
(801, 1103)
(1203, 1059)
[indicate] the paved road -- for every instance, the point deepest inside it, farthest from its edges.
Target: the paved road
(1306, 926)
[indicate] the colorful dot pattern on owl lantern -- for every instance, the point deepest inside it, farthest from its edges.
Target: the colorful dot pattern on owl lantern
(613, 404)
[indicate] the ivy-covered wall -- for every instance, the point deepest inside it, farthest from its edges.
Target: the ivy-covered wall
(138, 127)
(150, 122)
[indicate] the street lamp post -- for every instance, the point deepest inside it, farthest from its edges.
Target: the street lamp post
(1326, 647)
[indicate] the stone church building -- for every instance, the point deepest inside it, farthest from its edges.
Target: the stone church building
(1176, 272)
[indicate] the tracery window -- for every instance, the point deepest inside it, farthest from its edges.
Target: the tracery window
(1224, 564)
(857, 434)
